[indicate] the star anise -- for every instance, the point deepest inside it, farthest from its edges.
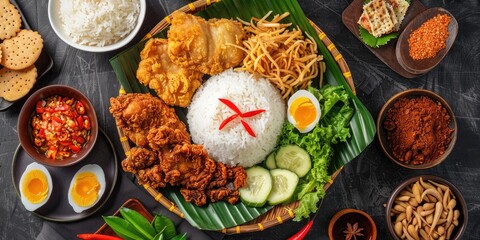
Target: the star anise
(352, 232)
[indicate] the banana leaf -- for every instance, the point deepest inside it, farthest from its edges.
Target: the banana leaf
(221, 215)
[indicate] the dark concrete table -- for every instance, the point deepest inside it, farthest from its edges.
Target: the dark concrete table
(365, 183)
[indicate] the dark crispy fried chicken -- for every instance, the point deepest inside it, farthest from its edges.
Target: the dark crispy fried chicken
(166, 156)
(137, 113)
(138, 159)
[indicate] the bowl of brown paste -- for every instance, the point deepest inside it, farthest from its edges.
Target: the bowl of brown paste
(417, 129)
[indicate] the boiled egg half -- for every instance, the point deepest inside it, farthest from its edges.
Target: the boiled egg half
(86, 187)
(35, 186)
(303, 111)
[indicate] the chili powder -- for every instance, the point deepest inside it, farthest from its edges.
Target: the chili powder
(430, 38)
(417, 130)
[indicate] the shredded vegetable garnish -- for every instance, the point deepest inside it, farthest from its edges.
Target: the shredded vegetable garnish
(283, 56)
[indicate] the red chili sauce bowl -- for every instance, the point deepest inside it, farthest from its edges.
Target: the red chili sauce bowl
(26, 130)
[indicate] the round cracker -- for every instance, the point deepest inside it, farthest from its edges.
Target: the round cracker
(14, 84)
(22, 50)
(10, 20)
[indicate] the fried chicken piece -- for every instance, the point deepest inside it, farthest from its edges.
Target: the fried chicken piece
(223, 194)
(138, 159)
(188, 165)
(154, 177)
(163, 136)
(198, 197)
(219, 178)
(204, 46)
(137, 113)
(173, 84)
(237, 175)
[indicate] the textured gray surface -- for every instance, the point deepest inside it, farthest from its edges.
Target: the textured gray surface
(365, 183)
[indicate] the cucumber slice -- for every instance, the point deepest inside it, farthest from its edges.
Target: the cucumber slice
(270, 162)
(258, 187)
(284, 184)
(293, 158)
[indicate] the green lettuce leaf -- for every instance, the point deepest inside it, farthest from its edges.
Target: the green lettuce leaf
(332, 128)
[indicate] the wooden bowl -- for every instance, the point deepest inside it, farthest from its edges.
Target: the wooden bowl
(339, 221)
(402, 48)
(463, 219)
(382, 135)
(24, 125)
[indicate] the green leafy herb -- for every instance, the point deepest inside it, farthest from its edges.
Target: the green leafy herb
(374, 42)
(159, 236)
(123, 228)
(180, 237)
(164, 225)
(332, 129)
(139, 222)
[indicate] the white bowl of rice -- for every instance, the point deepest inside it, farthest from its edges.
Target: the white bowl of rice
(232, 144)
(96, 25)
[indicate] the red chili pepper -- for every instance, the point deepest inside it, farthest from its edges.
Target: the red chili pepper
(80, 140)
(41, 133)
(39, 107)
(80, 122)
(303, 232)
(57, 119)
(86, 122)
(230, 105)
(248, 128)
(253, 113)
(80, 108)
(74, 148)
(89, 236)
(227, 120)
(65, 143)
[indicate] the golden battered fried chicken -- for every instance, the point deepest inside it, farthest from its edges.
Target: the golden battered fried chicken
(237, 175)
(219, 178)
(137, 113)
(173, 84)
(204, 46)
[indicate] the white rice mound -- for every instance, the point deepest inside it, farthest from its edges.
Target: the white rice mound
(233, 145)
(99, 23)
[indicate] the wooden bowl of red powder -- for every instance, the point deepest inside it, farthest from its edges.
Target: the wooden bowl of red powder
(426, 40)
(417, 129)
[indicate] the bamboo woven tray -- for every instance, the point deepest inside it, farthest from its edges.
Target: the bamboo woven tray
(278, 214)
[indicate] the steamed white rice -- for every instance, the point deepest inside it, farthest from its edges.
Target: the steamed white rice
(99, 23)
(233, 145)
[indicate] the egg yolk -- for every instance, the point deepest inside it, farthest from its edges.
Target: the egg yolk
(35, 186)
(85, 189)
(303, 112)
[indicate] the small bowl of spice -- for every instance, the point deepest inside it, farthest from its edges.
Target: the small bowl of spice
(426, 207)
(57, 126)
(417, 129)
(352, 224)
(426, 40)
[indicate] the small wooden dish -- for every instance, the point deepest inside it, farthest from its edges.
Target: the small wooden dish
(338, 224)
(402, 48)
(412, 93)
(463, 219)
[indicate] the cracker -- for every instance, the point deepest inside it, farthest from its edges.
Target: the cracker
(379, 17)
(22, 50)
(14, 84)
(10, 20)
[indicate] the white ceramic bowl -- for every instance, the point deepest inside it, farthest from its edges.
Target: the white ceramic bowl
(57, 25)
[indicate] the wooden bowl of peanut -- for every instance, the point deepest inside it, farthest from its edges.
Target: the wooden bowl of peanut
(426, 207)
